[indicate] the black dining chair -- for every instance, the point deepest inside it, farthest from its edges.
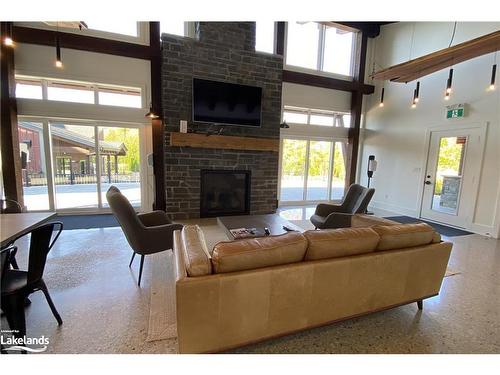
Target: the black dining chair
(10, 206)
(17, 285)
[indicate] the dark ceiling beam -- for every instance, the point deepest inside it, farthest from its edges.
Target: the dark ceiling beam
(327, 82)
(356, 109)
(370, 29)
(30, 35)
(157, 126)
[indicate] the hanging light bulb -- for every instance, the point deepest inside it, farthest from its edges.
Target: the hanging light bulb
(59, 63)
(493, 76)
(8, 41)
(151, 113)
(413, 102)
(382, 97)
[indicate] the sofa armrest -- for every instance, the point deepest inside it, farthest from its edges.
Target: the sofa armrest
(338, 220)
(325, 209)
(180, 265)
(152, 219)
(158, 238)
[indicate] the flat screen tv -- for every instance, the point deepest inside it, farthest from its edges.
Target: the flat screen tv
(226, 103)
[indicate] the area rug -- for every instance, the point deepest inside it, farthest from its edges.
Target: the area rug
(449, 272)
(441, 229)
(162, 314)
(87, 221)
(162, 318)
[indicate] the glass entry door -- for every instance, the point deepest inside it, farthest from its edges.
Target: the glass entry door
(312, 170)
(451, 173)
(70, 166)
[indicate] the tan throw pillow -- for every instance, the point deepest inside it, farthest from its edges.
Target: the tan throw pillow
(196, 255)
(404, 235)
(252, 253)
(334, 243)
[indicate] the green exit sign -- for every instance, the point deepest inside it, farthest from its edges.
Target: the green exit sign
(455, 111)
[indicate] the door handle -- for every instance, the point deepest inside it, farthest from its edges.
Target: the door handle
(428, 182)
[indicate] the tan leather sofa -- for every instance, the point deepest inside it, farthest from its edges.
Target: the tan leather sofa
(250, 290)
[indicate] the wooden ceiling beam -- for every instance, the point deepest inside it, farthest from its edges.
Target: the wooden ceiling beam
(433, 62)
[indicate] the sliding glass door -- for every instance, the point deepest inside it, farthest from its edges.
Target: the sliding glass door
(312, 170)
(70, 166)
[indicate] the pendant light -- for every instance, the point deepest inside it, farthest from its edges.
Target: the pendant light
(416, 99)
(450, 75)
(416, 94)
(381, 104)
(151, 113)
(493, 76)
(59, 63)
(448, 85)
(8, 38)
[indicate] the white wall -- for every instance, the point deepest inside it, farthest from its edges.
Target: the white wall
(396, 134)
(316, 97)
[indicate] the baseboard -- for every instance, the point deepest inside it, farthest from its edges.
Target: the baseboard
(394, 208)
(485, 230)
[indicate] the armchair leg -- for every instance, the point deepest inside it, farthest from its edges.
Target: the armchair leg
(420, 304)
(131, 260)
(140, 270)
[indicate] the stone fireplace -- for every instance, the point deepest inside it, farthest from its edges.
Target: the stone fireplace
(221, 51)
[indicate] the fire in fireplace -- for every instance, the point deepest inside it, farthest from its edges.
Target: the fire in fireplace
(224, 192)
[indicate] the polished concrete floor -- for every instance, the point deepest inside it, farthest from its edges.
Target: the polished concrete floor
(105, 312)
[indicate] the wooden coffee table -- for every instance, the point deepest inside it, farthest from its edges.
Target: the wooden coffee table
(274, 222)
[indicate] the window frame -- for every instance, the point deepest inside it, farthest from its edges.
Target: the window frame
(141, 38)
(189, 30)
(96, 88)
(337, 116)
(275, 33)
(308, 139)
(320, 58)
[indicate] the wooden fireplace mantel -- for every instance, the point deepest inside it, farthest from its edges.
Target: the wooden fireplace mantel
(223, 142)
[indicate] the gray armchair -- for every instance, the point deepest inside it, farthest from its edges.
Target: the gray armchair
(330, 216)
(146, 233)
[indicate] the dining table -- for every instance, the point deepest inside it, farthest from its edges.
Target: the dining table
(14, 225)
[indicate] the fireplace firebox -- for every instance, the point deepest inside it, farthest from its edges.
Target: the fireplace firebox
(224, 192)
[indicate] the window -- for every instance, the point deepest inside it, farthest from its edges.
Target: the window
(179, 28)
(337, 53)
(319, 117)
(116, 27)
(66, 92)
(28, 89)
(78, 92)
(302, 44)
(312, 170)
(120, 98)
(264, 36)
(324, 48)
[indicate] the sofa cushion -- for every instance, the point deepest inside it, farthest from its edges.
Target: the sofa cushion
(334, 243)
(195, 252)
(251, 253)
(404, 235)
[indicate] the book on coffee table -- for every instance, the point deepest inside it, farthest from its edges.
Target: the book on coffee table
(243, 232)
